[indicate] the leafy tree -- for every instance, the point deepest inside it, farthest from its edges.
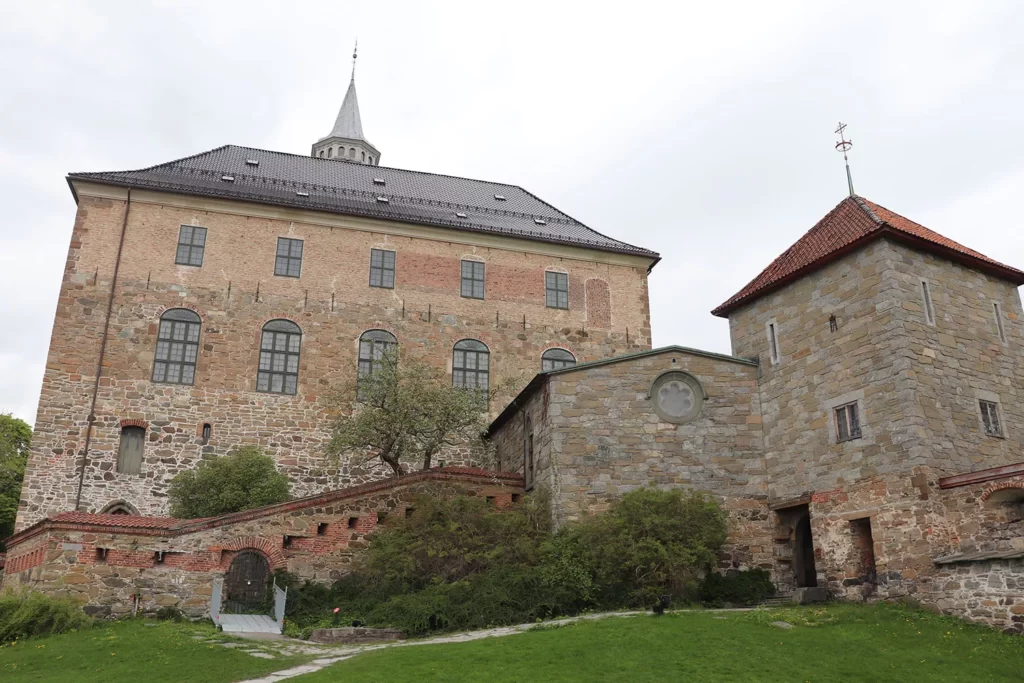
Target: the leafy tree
(15, 436)
(407, 411)
(244, 478)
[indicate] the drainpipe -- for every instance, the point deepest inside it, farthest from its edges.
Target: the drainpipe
(103, 351)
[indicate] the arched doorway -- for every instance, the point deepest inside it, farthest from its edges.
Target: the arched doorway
(245, 585)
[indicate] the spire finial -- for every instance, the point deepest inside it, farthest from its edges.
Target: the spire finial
(844, 146)
(355, 53)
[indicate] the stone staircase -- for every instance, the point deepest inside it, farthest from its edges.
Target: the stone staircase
(779, 600)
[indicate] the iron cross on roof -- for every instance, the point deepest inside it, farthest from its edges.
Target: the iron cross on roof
(844, 146)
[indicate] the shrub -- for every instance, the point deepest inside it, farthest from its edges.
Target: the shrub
(651, 543)
(244, 478)
(169, 613)
(26, 615)
(748, 587)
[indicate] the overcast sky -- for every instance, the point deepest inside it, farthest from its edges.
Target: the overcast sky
(700, 130)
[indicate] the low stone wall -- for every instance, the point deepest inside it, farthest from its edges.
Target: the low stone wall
(355, 635)
(985, 591)
(118, 564)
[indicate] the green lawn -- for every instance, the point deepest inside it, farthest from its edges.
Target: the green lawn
(834, 643)
(138, 651)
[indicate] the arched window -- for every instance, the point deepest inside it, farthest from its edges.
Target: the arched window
(364, 155)
(177, 347)
(321, 154)
(371, 160)
(556, 359)
(279, 358)
(119, 507)
(351, 152)
(471, 365)
(330, 152)
(373, 344)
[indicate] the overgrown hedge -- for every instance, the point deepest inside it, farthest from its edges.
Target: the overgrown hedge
(25, 615)
(457, 563)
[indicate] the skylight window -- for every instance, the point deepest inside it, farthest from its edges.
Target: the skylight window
(500, 197)
(383, 200)
(302, 194)
(460, 215)
(228, 178)
(540, 221)
(252, 162)
(378, 181)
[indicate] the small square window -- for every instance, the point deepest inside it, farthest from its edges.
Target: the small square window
(990, 418)
(847, 422)
(352, 521)
(473, 279)
(288, 262)
(382, 268)
(191, 244)
(556, 290)
(101, 555)
(321, 529)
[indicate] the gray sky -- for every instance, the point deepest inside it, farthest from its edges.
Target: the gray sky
(701, 130)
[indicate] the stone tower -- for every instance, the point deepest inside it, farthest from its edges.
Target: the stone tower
(346, 141)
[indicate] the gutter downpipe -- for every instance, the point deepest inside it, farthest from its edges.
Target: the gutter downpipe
(103, 351)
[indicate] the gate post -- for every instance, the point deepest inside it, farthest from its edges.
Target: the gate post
(218, 585)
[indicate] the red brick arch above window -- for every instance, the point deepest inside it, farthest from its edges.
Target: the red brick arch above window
(1011, 487)
(134, 422)
(188, 307)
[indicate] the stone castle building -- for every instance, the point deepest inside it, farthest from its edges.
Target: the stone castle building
(865, 434)
(214, 300)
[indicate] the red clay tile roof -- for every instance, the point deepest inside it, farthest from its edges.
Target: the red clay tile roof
(852, 223)
(133, 521)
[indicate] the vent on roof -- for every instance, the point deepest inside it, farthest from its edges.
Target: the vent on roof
(382, 200)
(540, 221)
(229, 178)
(378, 181)
(460, 215)
(500, 197)
(302, 194)
(252, 162)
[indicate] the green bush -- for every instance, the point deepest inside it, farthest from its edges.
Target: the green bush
(748, 587)
(458, 563)
(26, 615)
(169, 613)
(244, 478)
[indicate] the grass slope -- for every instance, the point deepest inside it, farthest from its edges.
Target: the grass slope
(834, 643)
(135, 650)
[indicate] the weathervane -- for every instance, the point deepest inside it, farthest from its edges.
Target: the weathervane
(844, 146)
(355, 52)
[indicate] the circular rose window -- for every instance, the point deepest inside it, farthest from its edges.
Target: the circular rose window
(677, 397)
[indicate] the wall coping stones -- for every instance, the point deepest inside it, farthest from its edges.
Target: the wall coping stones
(980, 556)
(981, 476)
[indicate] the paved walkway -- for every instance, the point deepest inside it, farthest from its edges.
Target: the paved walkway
(340, 653)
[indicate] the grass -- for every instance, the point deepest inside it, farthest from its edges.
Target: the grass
(831, 643)
(136, 650)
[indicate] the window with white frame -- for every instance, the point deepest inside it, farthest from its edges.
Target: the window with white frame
(990, 417)
(847, 422)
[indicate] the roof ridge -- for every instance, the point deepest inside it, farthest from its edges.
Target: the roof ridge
(862, 203)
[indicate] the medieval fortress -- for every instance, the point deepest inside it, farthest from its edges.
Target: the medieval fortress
(865, 433)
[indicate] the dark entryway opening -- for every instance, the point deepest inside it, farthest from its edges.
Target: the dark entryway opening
(864, 547)
(246, 584)
(803, 552)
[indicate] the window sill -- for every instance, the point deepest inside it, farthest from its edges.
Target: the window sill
(294, 277)
(852, 438)
(190, 265)
(995, 436)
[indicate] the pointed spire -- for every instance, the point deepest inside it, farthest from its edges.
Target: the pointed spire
(346, 140)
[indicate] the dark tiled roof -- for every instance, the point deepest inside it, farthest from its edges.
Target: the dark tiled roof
(539, 379)
(348, 188)
(853, 222)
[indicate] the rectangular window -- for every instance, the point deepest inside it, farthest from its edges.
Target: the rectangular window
(997, 310)
(929, 310)
(556, 290)
(191, 243)
(382, 268)
(473, 279)
(847, 422)
(129, 452)
(773, 344)
(990, 418)
(289, 257)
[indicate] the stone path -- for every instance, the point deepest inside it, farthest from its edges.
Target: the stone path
(341, 653)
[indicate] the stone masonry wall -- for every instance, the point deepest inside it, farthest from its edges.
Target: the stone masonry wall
(599, 437)
(103, 562)
(235, 293)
